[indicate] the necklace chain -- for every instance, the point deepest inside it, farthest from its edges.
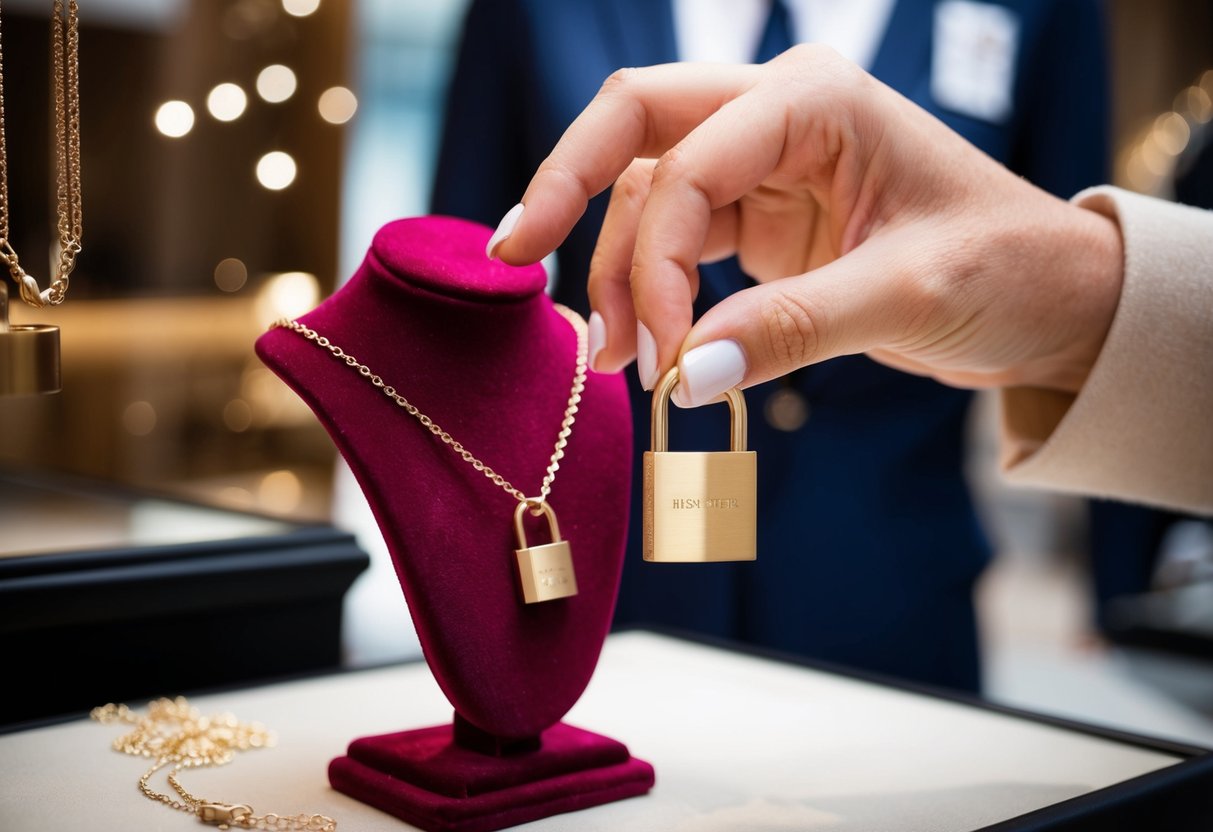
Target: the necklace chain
(175, 733)
(562, 438)
(65, 49)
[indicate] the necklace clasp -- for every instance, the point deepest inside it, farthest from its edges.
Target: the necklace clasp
(223, 814)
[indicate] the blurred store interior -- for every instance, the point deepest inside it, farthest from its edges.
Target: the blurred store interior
(238, 157)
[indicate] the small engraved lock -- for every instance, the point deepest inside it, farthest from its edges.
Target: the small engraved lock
(546, 571)
(699, 506)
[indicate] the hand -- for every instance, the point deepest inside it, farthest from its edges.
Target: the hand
(870, 226)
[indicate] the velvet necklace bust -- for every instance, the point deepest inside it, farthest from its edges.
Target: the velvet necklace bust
(477, 346)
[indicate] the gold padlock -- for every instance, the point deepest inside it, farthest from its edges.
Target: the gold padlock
(546, 571)
(699, 506)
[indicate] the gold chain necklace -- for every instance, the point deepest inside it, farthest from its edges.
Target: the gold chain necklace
(175, 733)
(65, 43)
(545, 572)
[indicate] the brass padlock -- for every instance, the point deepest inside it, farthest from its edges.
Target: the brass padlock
(699, 506)
(29, 354)
(546, 571)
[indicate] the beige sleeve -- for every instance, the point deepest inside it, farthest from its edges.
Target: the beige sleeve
(1141, 428)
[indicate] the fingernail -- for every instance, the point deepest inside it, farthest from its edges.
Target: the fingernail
(646, 356)
(707, 371)
(597, 336)
(504, 229)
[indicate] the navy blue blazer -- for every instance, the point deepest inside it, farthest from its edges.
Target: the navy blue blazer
(868, 540)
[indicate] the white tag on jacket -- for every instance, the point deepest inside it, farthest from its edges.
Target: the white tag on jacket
(973, 58)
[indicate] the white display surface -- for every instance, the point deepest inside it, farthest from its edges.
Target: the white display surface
(738, 743)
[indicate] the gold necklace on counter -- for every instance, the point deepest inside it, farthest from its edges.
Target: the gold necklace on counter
(175, 733)
(545, 572)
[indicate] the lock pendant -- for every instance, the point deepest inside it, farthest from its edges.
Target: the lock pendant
(29, 354)
(699, 507)
(546, 571)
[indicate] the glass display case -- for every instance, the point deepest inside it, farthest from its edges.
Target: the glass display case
(107, 588)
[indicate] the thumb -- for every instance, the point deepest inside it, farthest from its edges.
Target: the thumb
(848, 306)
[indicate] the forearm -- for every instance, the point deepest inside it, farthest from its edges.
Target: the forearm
(1141, 426)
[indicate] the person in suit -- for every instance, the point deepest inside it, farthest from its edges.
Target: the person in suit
(869, 545)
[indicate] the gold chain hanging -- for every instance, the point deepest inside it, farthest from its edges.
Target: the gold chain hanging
(65, 49)
(562, 438)
(175, 733)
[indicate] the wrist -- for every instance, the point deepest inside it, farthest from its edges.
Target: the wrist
(1084, 265)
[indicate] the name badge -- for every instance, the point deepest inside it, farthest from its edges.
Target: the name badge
(973, 58)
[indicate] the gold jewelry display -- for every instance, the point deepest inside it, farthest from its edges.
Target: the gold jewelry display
(175, 733)
(65, 42)
(29, 355)
(546, 571)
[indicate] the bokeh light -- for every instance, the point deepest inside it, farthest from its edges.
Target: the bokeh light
(231, 274)
(1171, 133)
(300, 8)
(175, 118)
(1155, 158)
(287, 295)
(276, 83)
(337, 105)
(139, 418)
(280, 491)
(1199, 103)
(227, 102)
(276, 170)
(237, 415)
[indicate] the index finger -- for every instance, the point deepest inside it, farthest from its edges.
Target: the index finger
(637, 113)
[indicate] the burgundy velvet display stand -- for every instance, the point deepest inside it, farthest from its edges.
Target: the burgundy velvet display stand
(477, 346)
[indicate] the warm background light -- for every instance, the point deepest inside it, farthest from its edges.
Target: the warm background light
(276, 170)
(287, 295)
(231, 274)
(1199, 103)
(226, 102)
(139, 418)
(276, 83)
(280, 492)
(337, 105)
(175, 118)
(237, 415)
(300, 8)
(1171, 132)
(1154, 158)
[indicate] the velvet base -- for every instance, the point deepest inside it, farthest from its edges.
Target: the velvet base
(424, 778)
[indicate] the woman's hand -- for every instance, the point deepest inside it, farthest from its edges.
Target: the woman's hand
(870, 226)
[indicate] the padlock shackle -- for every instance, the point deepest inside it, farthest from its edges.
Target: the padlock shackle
(533, 503)
(660, 425)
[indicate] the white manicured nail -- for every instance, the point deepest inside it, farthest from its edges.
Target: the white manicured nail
(597, 336)
(504, 229)
(707, 371)
(646, 356)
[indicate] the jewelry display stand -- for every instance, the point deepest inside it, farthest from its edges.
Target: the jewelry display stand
(478, 347)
